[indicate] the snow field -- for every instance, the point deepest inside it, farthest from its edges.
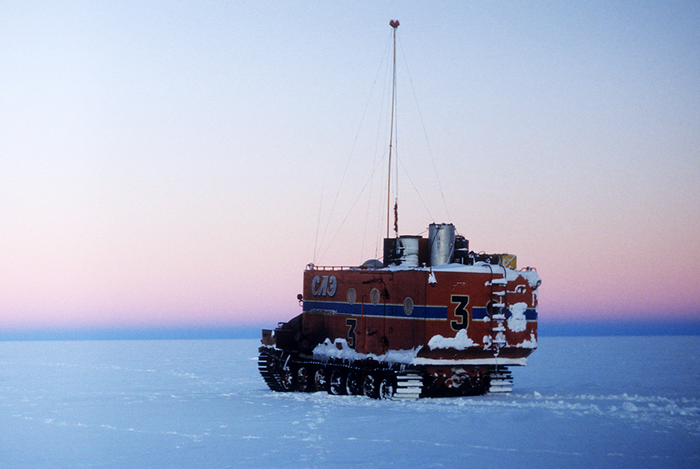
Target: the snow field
(581, 402)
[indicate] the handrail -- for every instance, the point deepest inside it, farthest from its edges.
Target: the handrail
(340, 267)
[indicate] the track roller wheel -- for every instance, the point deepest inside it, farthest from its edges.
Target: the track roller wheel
(370, 386)
(304, 379)
(353, 383)
(320, 379)
(387, 387)
(287, 378)
(336, 385)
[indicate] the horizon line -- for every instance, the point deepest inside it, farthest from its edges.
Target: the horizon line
(547, 329)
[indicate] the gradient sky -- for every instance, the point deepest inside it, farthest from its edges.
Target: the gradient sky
(175, 163)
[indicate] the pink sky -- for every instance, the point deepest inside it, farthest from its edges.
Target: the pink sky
(170, 165)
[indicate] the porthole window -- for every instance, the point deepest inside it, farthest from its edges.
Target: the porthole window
(408, 306)
(352, 295)
(374, 296)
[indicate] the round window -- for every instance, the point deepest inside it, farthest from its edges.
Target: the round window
(374, 296)
(352, 295)
(408, 306)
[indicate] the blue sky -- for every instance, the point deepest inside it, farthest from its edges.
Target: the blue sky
(168, 163)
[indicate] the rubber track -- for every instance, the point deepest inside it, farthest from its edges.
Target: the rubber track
(500, 380)
(409, 386)
(273, 378)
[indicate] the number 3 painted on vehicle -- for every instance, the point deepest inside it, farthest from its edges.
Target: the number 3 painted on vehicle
(460, 310)
(352, 324)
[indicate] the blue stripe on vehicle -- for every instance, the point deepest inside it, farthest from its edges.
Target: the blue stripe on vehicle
(397, 311)
(381, 310)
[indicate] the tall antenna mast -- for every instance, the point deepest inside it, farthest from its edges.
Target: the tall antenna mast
(394, 24)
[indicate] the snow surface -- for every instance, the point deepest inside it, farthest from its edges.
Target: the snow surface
(339, 348)
(459, 342)
(517, 321)
(603, 402)
(527, 273)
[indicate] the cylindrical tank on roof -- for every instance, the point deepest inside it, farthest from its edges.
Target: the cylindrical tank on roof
(441, 241)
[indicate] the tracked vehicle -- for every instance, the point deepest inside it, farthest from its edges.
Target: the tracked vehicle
(432, 318)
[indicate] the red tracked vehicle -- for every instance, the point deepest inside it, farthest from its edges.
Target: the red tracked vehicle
(431, 319)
